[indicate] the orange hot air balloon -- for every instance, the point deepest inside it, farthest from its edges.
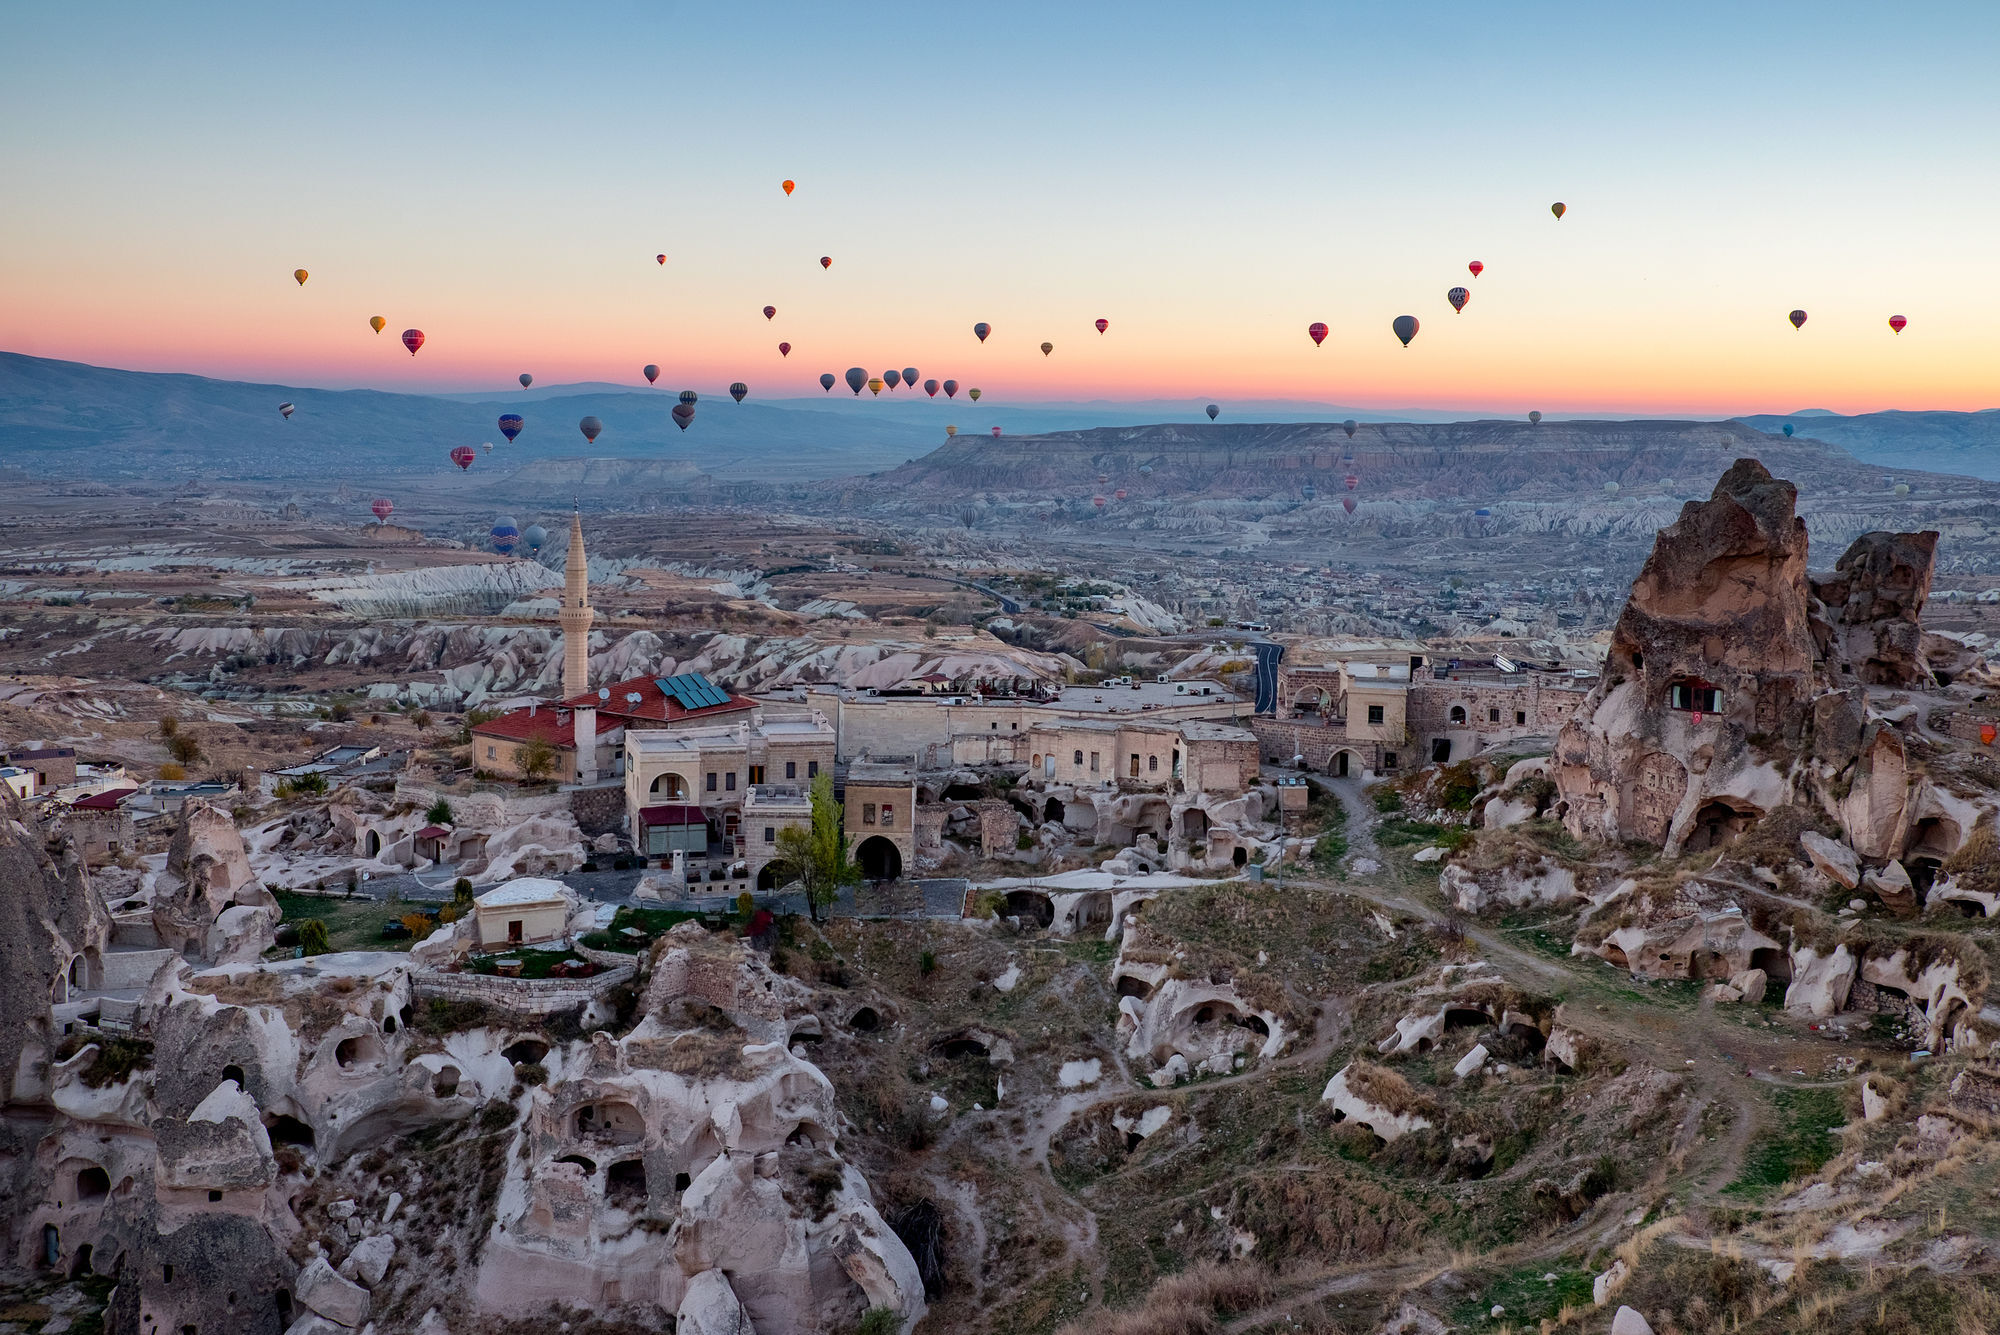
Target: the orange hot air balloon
(1896, 322)
(1987, 732)
(376, 323)
(770, 312)
(789, 185)
(413, 339)
(875, 386)
(951, 431)
(826, 261)
(301, 275)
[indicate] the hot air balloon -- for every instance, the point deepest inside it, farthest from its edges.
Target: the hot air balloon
(875, 386)
(738, 390)
(590, 427)
(536, 537)
(526, 380)
(931, 388)
(510, 426)
(788, 187)
(910, 376)
(1347, 504)
(486, 445)
(856, 379)
(982, 329)
(1349, 427)
(1896, 322)
(950, 388)
(377, 323)
(1482, 514)
(1309, 491)
(1118, 495)
(1728, 440)
(301, 275)
(285, 410)
(892, 377)
(1103, 478)
(1048, 348)
(505, 534)
(661, 258)
(1102, 325)
(463, 455)
(413, 339)
(973, 394)
(826, 261)
(1213, 410)
(1145, 470)
(770, 312)
(1534, 418)
(651, 372)
(1798, 319)
(950, 431)
(1611, 489)
(1902, 488)
(1458, 296)
(1559, 210)
(1406, 328)
(996, 433)
(383, 508)
(683, 414)
(1476, 268)
(784, 349)
(1318, 332)
(1353, 482)
(690, 398)
(1097, 501)
(1788, 430)
(826, 381)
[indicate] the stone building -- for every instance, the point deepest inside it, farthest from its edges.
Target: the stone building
(522, 912)
(881, 802)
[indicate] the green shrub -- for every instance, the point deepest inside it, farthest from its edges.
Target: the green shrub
(879, 1321)
(312, 937)
(439, 812)
(927, 963)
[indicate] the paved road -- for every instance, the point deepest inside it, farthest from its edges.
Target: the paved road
(1268, 655)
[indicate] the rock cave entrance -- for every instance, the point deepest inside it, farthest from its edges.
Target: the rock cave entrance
(625, 1183)
(80, 1267)
(1054, 811)
(589, 1167)
(1194, 825)
(359, 1050)
(865, 1020)
(1923, 872)
(235, 1072)
(1241, 857)
(1031, 907)
(92, 1184)
(1340, 763)
(1093, 910)
(613, 1120)
(286, 1130)
(880, 860)
(1129, 986)
(960, 1046)
(526, 1051)
(1465, 1017)
(372, 845)
(1776, 964)
(1440, 750)
(1717, 824)
(1616, 955)
(445, 1083)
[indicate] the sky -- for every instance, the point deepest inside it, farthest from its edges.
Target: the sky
(1210, 179)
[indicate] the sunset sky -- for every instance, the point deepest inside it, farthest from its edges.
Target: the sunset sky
(1211, 179)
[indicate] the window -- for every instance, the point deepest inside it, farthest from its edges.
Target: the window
(1375, 714)
(888, 815)
(711, 781)
(1493, 715)
(1152, 764)
(1696, 695)
(1135, 764)
(729, 781)
(1457, 714)
(1520, 718)
(489, 753)
(756, 774)
(791, 769)
(996, 725)
(1079, 758)
(770, 834)
(812, 769)
(1035, 760)
(1388, 760)
(1093, 762)
(867, 813)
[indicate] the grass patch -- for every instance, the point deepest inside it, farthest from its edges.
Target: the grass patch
(1797, 1145)
(651, 922)
(1528, 1298)
(534, 963)
(1396, 832)
(115, 1059)
(351, 924)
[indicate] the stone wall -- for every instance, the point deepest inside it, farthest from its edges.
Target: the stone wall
(528, 998)
(1280, 740)
(999, 826)
(1547, 707)
(599, 809)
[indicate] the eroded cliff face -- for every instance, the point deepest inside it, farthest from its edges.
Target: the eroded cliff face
(53, 931)
(1872, 630)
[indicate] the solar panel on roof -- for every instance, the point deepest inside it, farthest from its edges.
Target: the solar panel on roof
(693, 690)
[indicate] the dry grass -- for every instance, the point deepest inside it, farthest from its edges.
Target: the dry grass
(1193, 1302)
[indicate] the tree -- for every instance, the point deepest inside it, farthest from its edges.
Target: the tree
(312, 937)
(816, 855)
(537, 759)
(184, 749)
(461, 892)
(439, 813)
(169, 726)
(172, 771)
(423, 720)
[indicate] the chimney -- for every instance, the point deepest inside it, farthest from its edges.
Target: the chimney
(585, 717)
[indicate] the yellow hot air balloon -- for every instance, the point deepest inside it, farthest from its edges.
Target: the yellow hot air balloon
(376, 323)
(301, 275)
(951, 431)
(875, 385)
(975, 395)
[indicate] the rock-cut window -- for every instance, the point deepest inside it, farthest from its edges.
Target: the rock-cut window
(1695, 695)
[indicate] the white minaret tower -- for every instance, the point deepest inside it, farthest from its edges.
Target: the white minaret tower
(576, 613)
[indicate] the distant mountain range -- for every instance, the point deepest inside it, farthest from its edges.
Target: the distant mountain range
(1939, 442)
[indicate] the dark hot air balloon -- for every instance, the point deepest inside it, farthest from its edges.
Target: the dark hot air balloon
(910, 376)
(1559, 209)
(1788, 431)
(536, 537)
(931, 388)
(1798, 319)
(301, 275)
(510, 426)
(973, 393)
(1048, 348)
(826, 261)
(1406, 328)
(1318, 331)
(661, 258)
(651, 372)
(505, 534)
(788, 187)
(285, 410)
(996, 433)
(1102, 325)
(1896, 322)
(857, 379)
(690, 398)
(950, 388)
(1349, 427)
(770, 312)
(1534, 418)
(1476, 268)
(892, 377)
(1458, 296)
(1347, 504)
(784, 349)
(463, 455)
(413, 339)
(377, 323)
(526, 380)
(982, 329)
(1213, 410)
(590, 427)
(683, 414)
(826, 381)
(738, 390)
(383, 508)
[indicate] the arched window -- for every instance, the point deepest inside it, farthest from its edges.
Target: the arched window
(671, 787)
(1152, 764)
(1077, 758)
(1035, 761)
(1458, 713)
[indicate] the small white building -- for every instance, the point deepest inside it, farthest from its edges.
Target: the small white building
(22, 781)
(523, 912)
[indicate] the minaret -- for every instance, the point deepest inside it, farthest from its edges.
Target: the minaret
(576, 613)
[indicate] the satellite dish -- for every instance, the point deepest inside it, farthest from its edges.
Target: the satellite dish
(604, 692)
(633, 697)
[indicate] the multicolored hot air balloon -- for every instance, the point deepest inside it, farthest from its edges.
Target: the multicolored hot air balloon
(591, 428)
(1118, 495)
(826, 381)
(651, 372)
(690, 398)
(1534, 417)
(301, 275)
(285, 410)
(377, 323)
(1097, 501)
(1347, 504)
(1048, 348)
(826, 261)
(996, 433)
(1349, 427)
(505, 534)
(1897, 322)
(892, 377)
(383, 508)
(526, 380)
(1214, 410)
(1458, 296)
(463, 455)
(1559, 209)
(973, 394)
(770, 312)
(1317, 329)
(510, 426)
(910, 376)
(857, 380)
(931, 388)
(683, 414)
(875, 386)
(1353, 482)
(1475, 268)
(536, 537)
(1798, 319)
(784, 349)
(982, 329)
(1406, 327)
(738, 390)
(950, 388)
(788, 187)
(413, 339)
(661, 258)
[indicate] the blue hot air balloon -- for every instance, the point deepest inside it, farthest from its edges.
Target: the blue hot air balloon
(510, 426)
(506, 533)
(536, 537)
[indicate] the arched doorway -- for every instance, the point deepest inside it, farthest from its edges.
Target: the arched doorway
(766, 878)
(1340, 764)
(372, 845)
(670, 787)
(880, 859)
(1033, 908)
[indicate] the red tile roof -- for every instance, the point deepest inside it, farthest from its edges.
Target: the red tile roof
(433, 832)
(109, 800)
(654, 705)
(672, 814)
(552, 724)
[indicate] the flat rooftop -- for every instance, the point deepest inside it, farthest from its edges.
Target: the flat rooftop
(1107, 699)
